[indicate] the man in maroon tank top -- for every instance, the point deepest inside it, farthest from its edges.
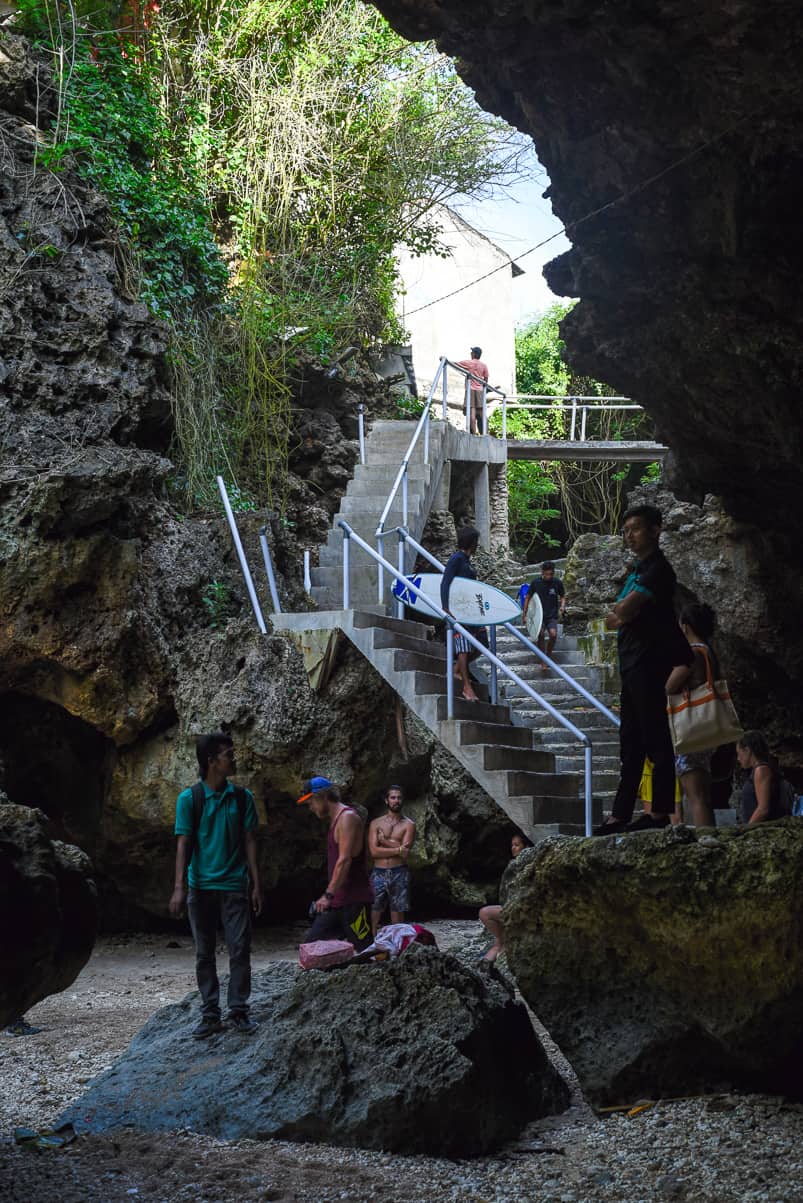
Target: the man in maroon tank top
(343, 910)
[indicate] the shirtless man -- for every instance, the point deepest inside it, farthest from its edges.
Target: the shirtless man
(390, 839)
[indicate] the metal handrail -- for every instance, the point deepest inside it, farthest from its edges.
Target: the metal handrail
(423, 423)
(458, 628)
(601, 404)
(508, 626)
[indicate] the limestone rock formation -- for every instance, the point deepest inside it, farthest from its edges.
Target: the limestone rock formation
(49, 907)
(417, 1055)
(666, 963)
(671, 135)
(126, 626)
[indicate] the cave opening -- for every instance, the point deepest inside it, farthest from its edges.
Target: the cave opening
(57, 762)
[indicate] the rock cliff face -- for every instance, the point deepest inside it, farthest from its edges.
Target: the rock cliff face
(49, 903)
(671, 134)
(668, 963)
(111, 661)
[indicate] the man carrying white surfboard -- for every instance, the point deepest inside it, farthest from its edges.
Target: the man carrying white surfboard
(459, 564)
(549, 588)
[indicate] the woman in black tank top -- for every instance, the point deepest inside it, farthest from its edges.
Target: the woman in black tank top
(761, 793)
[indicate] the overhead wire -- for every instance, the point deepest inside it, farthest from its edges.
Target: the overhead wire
(617, 200)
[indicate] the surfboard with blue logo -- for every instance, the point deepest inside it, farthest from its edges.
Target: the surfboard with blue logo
(473, 603)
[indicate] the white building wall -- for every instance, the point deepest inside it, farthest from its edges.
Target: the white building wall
(481, 315)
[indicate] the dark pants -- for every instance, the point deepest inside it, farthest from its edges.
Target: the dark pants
(204, 907)
(645, 732)
(349, 922)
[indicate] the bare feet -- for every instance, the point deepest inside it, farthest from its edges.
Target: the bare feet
(469, 696)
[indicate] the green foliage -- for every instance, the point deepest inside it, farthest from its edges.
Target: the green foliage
(539, 366)
(217, 603)
(589, 495)
(263, 159)
(531, 496)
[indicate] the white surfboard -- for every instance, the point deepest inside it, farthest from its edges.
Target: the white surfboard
(535, 617)
(473, 603)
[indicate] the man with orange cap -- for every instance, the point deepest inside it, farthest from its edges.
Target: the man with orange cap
(343, 910)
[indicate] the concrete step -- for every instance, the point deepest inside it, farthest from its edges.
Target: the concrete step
(412, 643)
(537, 785)
(566, 762)
(387, 472)
(482, 712)
(469, 732)
(555, 737)
(586, 720)
(558, 808)
(388, 622)
(407, 661)
(528, 760)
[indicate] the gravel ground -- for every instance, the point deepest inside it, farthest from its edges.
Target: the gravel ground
(720, 1149)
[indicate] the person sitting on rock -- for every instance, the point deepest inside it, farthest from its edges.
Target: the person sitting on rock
(341, 912)
(491, 916)
(761, 792)
(390, 839)
(215, 825)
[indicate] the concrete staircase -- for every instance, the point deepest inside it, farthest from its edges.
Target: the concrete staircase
(362, 506)
(509, 760)
(580, 658)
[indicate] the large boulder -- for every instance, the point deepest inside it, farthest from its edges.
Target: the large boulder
(420, 1055)
(48, 903)
(666, 963)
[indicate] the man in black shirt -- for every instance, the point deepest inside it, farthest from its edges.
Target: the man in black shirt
(650, 643)
(553, 602)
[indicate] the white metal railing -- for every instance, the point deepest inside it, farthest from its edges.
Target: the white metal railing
(423, 424)
(406, 537)
(576, 406)
(455, 627)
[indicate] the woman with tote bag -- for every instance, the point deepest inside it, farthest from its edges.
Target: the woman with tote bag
(693, 768)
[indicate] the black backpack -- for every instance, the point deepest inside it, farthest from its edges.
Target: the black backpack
(199, 801)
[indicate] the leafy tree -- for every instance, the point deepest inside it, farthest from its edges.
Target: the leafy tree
(310, 140)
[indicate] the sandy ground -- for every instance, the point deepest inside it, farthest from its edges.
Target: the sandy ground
(723, 1149)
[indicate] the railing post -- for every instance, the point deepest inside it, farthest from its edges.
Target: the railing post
(361, 430)
(504, 417)
(574, 419)
(274, 595)
(484, 409)
(583, 417)
(445, 395)
(426, 442)
(404, 496)
(588, 787)
(307, 576)
(402, 570)
(246, 571)
(468, 405)
(449, 671)
(380, 571)
(492, 645)
(346, 570)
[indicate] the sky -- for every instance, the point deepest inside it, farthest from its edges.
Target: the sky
(516, 221)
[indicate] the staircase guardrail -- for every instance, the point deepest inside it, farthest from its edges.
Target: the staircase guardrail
(582, 405)
(455, 627)
(406, 537)
(423, 424)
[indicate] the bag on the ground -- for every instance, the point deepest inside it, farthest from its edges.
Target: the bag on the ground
(703, 717)
(323, 954)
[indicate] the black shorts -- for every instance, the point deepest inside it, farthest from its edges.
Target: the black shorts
(351, 922)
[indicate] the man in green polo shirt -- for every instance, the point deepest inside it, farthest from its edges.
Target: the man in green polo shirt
(216, 839)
